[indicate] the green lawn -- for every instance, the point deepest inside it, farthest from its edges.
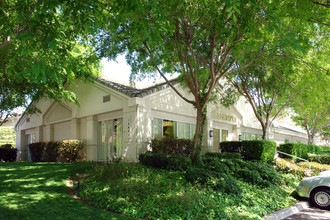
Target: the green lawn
(38, 191)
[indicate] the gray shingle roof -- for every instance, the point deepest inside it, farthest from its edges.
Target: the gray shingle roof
(133, 92)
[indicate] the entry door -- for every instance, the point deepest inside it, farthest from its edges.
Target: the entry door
(216, 139)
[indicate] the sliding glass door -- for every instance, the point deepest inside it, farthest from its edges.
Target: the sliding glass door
(110, 139)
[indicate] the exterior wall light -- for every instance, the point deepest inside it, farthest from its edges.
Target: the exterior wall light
(211, 133)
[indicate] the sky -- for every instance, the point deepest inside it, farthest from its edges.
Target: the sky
(119, 71)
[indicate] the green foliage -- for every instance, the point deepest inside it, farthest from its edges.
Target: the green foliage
(302, 150)
(7, 136)
(316, 167)
(320, 158)
(289, 166)
(173, 146)
(43, 47)
(231, 146)
(259, 150)
(145, 192)
(224, 155)
(7, 153)
(251, 150)
(69, 150)
(51, 151)
(165, 161)
(36, 151)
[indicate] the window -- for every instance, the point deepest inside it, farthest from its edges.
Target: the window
(106, 98)
(110, 139)
(170, 128)
(250, 136)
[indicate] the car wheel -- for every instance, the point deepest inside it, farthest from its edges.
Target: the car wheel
(320, 198)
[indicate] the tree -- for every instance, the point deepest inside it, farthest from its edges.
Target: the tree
(268, 88)
(43, 49)
(201, 40)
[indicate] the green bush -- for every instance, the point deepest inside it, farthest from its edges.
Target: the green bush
(250, 150)
(199, 175)
(178, 162)
(173, 146)
(7, 153)
(165, 161)
(51, 153)
(69, 150)
(259, 150)
(302, 150)
(224, 155)
(320, 158)
(215, 164)
(231, 146)
(36, 151)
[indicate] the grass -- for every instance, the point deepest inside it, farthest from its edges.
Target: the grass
(38, 191)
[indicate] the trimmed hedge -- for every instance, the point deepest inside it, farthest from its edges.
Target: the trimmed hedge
(165, 161)
(302, 150)
(251, 150)
(67, 150)
(37, 151)
(173, 146)
(224, 155)
(7, 153)
(320, 158)
(231, 146)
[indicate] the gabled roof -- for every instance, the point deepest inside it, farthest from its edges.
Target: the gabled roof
(133, 92)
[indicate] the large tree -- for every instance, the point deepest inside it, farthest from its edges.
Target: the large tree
(312, 106)
(43, 47)
(201, 40)
(268, 88)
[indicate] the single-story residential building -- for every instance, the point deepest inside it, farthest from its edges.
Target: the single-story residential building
(118, 120)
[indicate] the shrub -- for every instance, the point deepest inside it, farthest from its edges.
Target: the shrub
(229, 185)
(173, 146)
(199, 175)
(302, 150)
(51, 153)
(231, 146)
(69, 150)
(178, 162)
(320, 158)
(259, 150)
(215, 164)
(289, 166)
(36, 151)
(224, 155)
(165, 161)
(7, 153)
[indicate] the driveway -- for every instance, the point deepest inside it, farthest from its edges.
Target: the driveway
(310, 214)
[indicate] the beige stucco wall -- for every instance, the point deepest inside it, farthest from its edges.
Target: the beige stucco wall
(59, 121)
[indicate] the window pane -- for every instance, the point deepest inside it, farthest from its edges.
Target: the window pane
(157, 129)
(224, 135)
(168, 128)
(183, 130)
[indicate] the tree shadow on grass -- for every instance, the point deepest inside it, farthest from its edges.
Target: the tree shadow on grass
(38, 191)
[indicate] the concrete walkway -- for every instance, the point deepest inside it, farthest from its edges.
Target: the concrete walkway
(310, 214)
(300, 211)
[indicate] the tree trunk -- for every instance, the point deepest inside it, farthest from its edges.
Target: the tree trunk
(265, 131)
(310, 139)
(198, 138)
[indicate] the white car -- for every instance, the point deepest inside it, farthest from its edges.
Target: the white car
(317, 189)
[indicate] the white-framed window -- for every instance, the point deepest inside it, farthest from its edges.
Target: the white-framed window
(246, 136)
(170, 128)
(110, 139)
